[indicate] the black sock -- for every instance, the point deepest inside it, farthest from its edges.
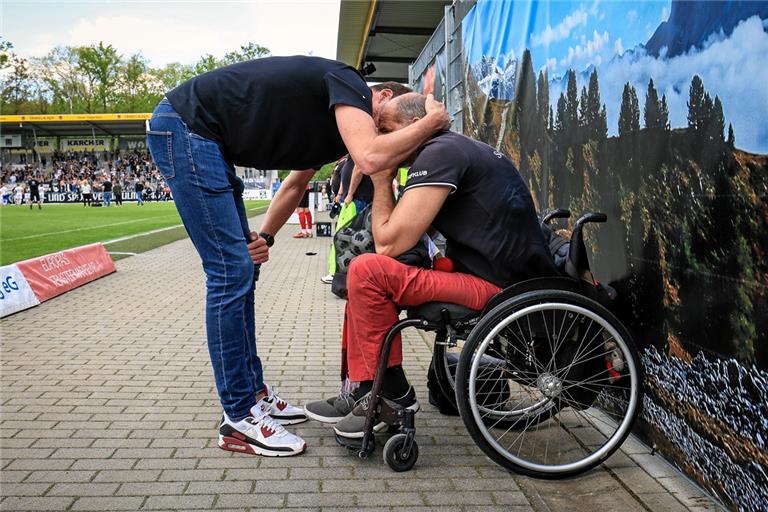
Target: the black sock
(395, 384)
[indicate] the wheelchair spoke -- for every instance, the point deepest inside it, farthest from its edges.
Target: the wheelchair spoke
(551, 406)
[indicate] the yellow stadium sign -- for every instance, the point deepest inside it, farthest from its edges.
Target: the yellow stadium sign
(63, 118)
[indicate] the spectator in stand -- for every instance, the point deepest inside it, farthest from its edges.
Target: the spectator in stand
(106, 188)
(117, 189)
(139, 189)
(34, 193)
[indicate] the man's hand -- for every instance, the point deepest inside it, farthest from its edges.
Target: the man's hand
(258, 249)
(437, 111)
(348, 199)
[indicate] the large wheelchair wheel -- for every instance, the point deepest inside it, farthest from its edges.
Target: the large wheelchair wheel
(572, 377)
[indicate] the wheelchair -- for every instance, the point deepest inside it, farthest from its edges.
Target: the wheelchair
(545, 378)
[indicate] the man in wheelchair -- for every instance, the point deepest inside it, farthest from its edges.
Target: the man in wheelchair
(476, 198)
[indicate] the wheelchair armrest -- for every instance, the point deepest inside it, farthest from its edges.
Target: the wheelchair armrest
(558, 213)
(578, 264)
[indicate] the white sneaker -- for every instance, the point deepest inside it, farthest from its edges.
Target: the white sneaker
(327, 279)
(259, 436)
(278, 409)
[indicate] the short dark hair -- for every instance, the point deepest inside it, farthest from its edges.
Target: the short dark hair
(397, 88)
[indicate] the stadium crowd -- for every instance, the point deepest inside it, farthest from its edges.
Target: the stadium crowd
(84, 173)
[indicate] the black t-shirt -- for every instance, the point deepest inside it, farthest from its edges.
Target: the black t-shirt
(107, 186)
(34, 186)
(488, 220)
(275, 112)
(364, 190)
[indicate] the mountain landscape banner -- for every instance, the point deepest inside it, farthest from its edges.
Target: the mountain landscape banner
(655, 114)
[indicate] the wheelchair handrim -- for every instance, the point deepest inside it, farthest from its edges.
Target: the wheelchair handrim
(608, 446)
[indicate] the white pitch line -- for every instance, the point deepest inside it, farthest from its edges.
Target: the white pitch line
(78, 229)
(160, 230)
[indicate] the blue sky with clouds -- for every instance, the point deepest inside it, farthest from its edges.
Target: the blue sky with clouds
(575, 35)
(563, 35)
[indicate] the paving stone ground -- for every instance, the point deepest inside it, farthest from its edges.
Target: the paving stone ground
(108, 403)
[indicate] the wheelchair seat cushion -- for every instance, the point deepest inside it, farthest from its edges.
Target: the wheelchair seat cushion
(432, 312)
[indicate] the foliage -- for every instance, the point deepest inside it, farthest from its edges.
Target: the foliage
(96, 78)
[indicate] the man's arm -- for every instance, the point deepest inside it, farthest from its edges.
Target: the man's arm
(397, 228)
(375, 152)
(286, 200)
(354, 182)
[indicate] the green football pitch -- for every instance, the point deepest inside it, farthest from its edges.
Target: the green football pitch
(26, 233)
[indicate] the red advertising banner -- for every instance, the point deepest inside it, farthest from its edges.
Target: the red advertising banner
(54, 274)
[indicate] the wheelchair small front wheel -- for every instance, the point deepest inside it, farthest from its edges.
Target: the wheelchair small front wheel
(393, 455)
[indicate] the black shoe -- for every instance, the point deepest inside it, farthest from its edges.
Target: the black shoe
(353, 424)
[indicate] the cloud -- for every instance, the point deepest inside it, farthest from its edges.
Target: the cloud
(588, 53)
(632, 16)
(561, 31)
(731, 68)
(618, 49)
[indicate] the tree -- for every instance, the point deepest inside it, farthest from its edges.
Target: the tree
(248, 51)
(664, 113)
(525, 105)
(584, 120)
(65, 82)
(100, 64)
(5, 52)
(731, 137)
(543, 108)
(696, 112)
(174, 74)
(16, 85)
(571, 120)
(560, 121)
(652, 111)
(629, 114)
(716, 124)
(595, 110)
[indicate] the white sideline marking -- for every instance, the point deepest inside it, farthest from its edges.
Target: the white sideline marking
(160, 230)
(118, 252)
(78, 229)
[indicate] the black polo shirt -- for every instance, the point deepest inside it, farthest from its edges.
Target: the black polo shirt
(275, 112)
(488, 220)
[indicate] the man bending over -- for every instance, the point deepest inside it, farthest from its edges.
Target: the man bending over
(476, 198)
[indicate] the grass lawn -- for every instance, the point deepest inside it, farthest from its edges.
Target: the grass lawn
(26, 233)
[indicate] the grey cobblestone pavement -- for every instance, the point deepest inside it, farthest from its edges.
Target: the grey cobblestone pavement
(108, 403)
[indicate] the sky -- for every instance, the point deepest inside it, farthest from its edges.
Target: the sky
(607, 34)
(563, 35)
(173, 31)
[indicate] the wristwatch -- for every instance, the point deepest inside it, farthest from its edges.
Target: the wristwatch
(269, 238)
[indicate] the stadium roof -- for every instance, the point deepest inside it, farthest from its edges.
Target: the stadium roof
(63, 125)
(389, 34)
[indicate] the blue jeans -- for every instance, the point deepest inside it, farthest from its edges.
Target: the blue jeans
(107, 198)
(209, 197)
(139, 193)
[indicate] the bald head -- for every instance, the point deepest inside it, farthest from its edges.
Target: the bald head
(402, 111)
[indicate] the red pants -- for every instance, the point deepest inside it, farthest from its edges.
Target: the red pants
(377, 285)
